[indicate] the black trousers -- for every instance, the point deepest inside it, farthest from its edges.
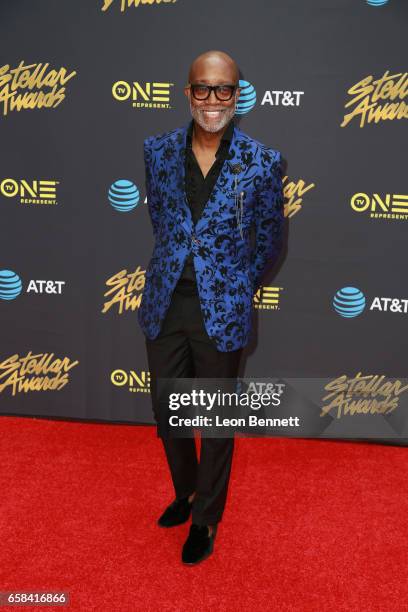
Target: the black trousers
(183, 349)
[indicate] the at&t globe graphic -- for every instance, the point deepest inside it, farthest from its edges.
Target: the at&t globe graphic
(377, 2)
(10, 285)
(247, 98)
(123, 195)
(349, 302)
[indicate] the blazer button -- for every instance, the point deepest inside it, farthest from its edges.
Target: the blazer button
(194, 240)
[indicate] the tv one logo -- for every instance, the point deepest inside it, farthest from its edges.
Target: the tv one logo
(143, 95)
(350, 302)
(136, 383)
(267, 298)
(11, 286)
(33, 192)
(389, 206)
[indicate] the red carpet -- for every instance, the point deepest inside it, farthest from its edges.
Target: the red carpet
(309, 525)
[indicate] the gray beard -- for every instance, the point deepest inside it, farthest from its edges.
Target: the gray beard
(199, 117)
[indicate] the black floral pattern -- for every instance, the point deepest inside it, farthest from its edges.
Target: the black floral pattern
(228, 272)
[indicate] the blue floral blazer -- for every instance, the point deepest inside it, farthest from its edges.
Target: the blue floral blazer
(228, 269)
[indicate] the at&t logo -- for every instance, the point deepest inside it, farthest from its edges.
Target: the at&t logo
(11, 286)
(247, 98)
(350, 302)
(123, 195)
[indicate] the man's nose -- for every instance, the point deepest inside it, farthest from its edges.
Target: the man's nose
(212, 97)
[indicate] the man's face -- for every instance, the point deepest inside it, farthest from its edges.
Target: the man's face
(212, 114)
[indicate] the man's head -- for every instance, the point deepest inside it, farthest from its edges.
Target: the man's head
(213, 68)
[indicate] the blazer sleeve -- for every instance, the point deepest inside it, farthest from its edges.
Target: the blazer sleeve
(269, 219)
(153, 201)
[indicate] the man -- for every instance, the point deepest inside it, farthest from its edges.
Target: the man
(207, 184)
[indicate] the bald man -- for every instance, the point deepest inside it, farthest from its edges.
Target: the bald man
(200, 282)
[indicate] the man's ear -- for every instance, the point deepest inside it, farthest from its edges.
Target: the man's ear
(187, 91)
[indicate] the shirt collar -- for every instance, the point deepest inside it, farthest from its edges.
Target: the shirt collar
(226, 137)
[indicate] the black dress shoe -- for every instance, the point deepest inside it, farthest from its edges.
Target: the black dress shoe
(176, 514)
(199, 545)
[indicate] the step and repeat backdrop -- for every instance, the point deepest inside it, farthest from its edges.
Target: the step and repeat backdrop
(82, 84)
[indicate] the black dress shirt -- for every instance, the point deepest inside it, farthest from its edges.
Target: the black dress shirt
(198, 190)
